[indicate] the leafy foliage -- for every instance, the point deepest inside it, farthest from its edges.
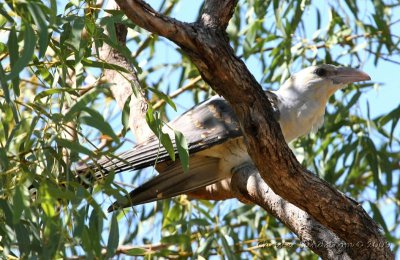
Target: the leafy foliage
(50, 75)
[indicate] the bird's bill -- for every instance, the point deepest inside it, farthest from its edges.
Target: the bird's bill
(349, 75)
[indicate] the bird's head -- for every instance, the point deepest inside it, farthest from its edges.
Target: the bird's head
(304, 95)
(322, 81)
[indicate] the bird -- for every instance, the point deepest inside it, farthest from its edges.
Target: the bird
(215, 142)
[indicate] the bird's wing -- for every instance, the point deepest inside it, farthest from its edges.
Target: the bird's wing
(208, 124)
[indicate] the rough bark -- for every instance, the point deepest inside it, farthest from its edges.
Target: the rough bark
(207, 44)
(123, 84)
(248, 185)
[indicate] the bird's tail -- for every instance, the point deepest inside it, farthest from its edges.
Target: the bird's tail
(141, 156)
(173, 181)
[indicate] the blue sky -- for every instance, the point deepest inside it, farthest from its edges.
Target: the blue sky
(382, 99)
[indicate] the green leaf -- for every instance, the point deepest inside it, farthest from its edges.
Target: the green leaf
(81, 103)
(4, 15)
(395, 113)
(79, 73)
(23, 239)
(74, 146)
(183, 149)
(354, 99)
(292, 26)
(164, 97)
(122, 49)
(378, 216)
(172, 216)
(227, 248)
(103, 65)
(167, 144)
(135, 252)
(87, 241)
(151, 120)
(49, 92)
(4, 84)
(40, 20)
(96, 120)
(352, 5)
(199, 222)
(95, 229)
(19, 204)
(14, 112)
(278, 12)
(14, 55)
(113, 237)
(205, 246)
(4, 162)
(394, 117)
(372, 158)
(7, 211)
(47, 201)
(76, 32)
(155, 124)
(26, 55)
(249, 42)
(234, 214)
(79, 222)
(53, 12)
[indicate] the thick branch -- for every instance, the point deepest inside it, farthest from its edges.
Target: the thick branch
(281, 171)
(123, 84)
(210, 51)
(217, 13)
(247, 184)
(146, 17)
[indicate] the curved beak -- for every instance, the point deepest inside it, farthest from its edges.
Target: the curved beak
(345, 75)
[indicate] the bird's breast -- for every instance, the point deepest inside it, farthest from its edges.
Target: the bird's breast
(300, 119)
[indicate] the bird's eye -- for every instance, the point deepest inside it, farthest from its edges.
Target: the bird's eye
(320, 72)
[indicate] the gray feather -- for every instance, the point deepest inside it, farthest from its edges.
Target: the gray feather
(173, 181)
(210, 123)
(206, 125)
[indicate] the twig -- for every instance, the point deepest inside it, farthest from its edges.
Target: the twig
(179, 91)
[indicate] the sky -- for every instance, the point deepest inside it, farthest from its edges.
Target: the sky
(383, 98)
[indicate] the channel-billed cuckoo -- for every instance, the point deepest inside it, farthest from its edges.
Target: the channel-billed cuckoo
(215, 141)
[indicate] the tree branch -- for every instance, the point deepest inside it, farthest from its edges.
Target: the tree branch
(123, 84)
(247, 184)
(190, 85)
(217, 13)
(210, 51)
(146, 17)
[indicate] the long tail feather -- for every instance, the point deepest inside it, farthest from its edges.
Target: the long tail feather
(172, 182)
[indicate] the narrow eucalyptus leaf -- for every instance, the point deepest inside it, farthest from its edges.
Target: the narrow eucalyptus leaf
(183, 149)
(113, 237)
(40, 19)
(74, 146)
(26, 55)
(81, 103)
